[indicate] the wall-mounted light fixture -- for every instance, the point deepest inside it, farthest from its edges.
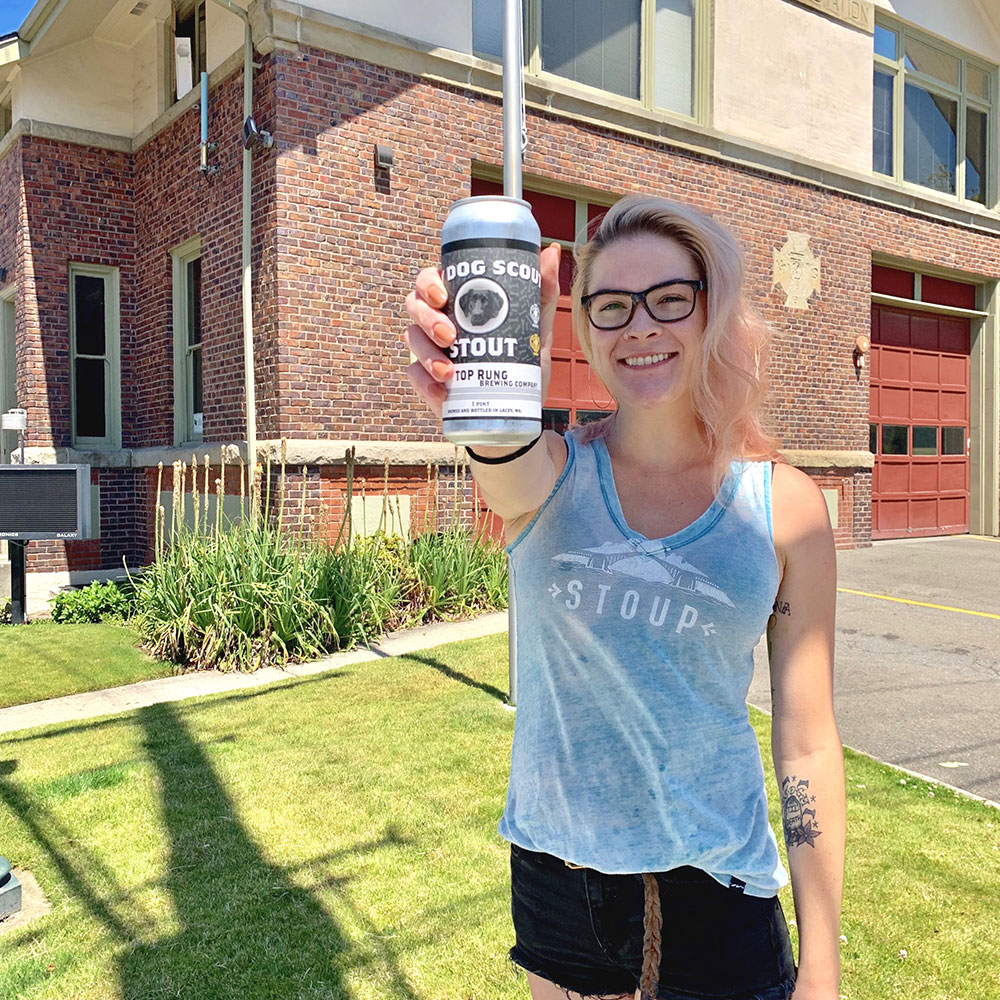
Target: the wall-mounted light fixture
(861, 347)
(256, 138)
(383, 157)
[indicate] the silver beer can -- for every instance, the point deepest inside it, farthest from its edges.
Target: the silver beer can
(489, 262)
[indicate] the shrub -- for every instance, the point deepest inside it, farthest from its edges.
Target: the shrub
(94, 603)
(256, 594)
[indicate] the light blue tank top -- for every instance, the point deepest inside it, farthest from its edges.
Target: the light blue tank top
(633, 750)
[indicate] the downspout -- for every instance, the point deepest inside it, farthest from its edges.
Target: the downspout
(248, 356)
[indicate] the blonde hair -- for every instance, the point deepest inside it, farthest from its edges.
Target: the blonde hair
(730, 376)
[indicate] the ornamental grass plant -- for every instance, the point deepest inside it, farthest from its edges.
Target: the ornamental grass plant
(266, 587)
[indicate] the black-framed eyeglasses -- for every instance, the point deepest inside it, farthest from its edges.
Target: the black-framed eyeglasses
(668, 302)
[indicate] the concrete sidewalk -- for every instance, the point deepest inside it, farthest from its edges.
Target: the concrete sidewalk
(91, 704)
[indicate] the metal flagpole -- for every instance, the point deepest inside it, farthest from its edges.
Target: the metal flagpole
(513, 124)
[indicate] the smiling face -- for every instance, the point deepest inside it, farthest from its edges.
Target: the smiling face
(647, 362)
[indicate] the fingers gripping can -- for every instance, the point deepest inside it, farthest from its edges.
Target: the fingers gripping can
(489, 262)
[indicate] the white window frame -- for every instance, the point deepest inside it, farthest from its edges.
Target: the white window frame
(200, 44)
(901, 75)
(700, 70)
(112, 438)
(184, 432)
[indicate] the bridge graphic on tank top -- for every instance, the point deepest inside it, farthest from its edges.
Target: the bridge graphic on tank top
(649, 561)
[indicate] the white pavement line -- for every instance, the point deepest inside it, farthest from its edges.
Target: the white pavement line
(112, 701)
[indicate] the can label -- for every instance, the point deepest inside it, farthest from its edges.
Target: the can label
(494, 295)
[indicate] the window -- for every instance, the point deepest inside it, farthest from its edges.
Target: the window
(187, 342)
(189, 45)
(6, 115)
(94, 356)
(647, 50)
(933, 112)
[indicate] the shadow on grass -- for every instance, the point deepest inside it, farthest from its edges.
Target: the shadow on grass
(455, 675)
(245, 931)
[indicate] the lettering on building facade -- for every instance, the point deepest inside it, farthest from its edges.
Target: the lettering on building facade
(857, 13)
(796, 271)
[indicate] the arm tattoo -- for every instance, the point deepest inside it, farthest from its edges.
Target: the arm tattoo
(797, 818)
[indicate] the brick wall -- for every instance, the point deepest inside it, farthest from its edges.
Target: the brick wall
(336, 246)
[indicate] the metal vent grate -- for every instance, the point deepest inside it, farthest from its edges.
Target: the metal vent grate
(140, 7)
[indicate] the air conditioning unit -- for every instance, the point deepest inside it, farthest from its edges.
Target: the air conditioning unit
(44, 501)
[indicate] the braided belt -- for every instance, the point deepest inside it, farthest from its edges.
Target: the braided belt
(652, 926)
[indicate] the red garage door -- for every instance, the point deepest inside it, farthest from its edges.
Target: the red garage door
(919, 422)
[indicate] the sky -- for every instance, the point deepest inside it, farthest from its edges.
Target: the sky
(13, 13)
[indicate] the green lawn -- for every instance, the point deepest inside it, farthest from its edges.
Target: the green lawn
(335, 837)
(46, 660)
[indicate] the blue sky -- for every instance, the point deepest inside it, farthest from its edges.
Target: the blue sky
(13, 13)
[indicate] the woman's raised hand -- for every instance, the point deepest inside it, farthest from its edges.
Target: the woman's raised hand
(431, 333)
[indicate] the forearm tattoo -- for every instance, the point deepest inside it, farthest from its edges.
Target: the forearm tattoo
(798, 820)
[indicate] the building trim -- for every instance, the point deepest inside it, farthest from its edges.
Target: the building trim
(287, 26)
(930, 307)
(302, 451)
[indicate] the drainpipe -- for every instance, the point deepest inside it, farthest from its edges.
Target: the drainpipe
(248, 358)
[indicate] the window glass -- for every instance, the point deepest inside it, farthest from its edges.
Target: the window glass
(931, 61)
(977, 82)
(885, 42)
(555, 420)
(952, 440)
(925, 441)
(975, 155)
(929, 138)
(596, 43)
(882, 124)
(673, 86)
(194, 345)
(894, 440)
(487, 27)
(589, 416)
(91, 421)
(873, 438)
(89, 295)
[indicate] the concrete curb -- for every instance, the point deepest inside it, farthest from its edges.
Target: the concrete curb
(112, 701)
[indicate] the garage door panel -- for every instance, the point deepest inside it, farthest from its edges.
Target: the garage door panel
(924, 332)
(894, 404)
(894, 478)
(560, 382)
(924, 477)
(588, 390)
(894, 365)
(954, 371)
(923, 513)
(955, 335)
(953, 476)
(562, 328)
(924, 404)
(894, 328)
(892, 515)
(954, 405)
(953, 513)
(919, 394)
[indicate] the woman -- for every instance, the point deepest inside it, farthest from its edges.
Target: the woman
(653, 550)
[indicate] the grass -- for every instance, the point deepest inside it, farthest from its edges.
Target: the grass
(46, 660)
(335, 837)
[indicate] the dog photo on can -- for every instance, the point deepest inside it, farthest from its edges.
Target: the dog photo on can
(481, 305)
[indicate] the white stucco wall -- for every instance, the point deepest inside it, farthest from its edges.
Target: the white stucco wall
(445, 23)
(88, 85)
(958, 21)
(793, 79)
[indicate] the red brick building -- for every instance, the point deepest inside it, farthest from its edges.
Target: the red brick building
(866, 210)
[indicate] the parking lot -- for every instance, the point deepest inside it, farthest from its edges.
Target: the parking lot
(917, 684)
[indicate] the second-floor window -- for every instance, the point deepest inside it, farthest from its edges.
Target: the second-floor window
(646, 50)
(189, 45)
(934, 112)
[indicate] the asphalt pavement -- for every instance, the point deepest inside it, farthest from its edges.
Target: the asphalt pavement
(917, 667)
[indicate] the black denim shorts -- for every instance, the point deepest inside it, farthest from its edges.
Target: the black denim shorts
(582, 930)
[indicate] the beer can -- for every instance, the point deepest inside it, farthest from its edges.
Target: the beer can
(489, 262)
